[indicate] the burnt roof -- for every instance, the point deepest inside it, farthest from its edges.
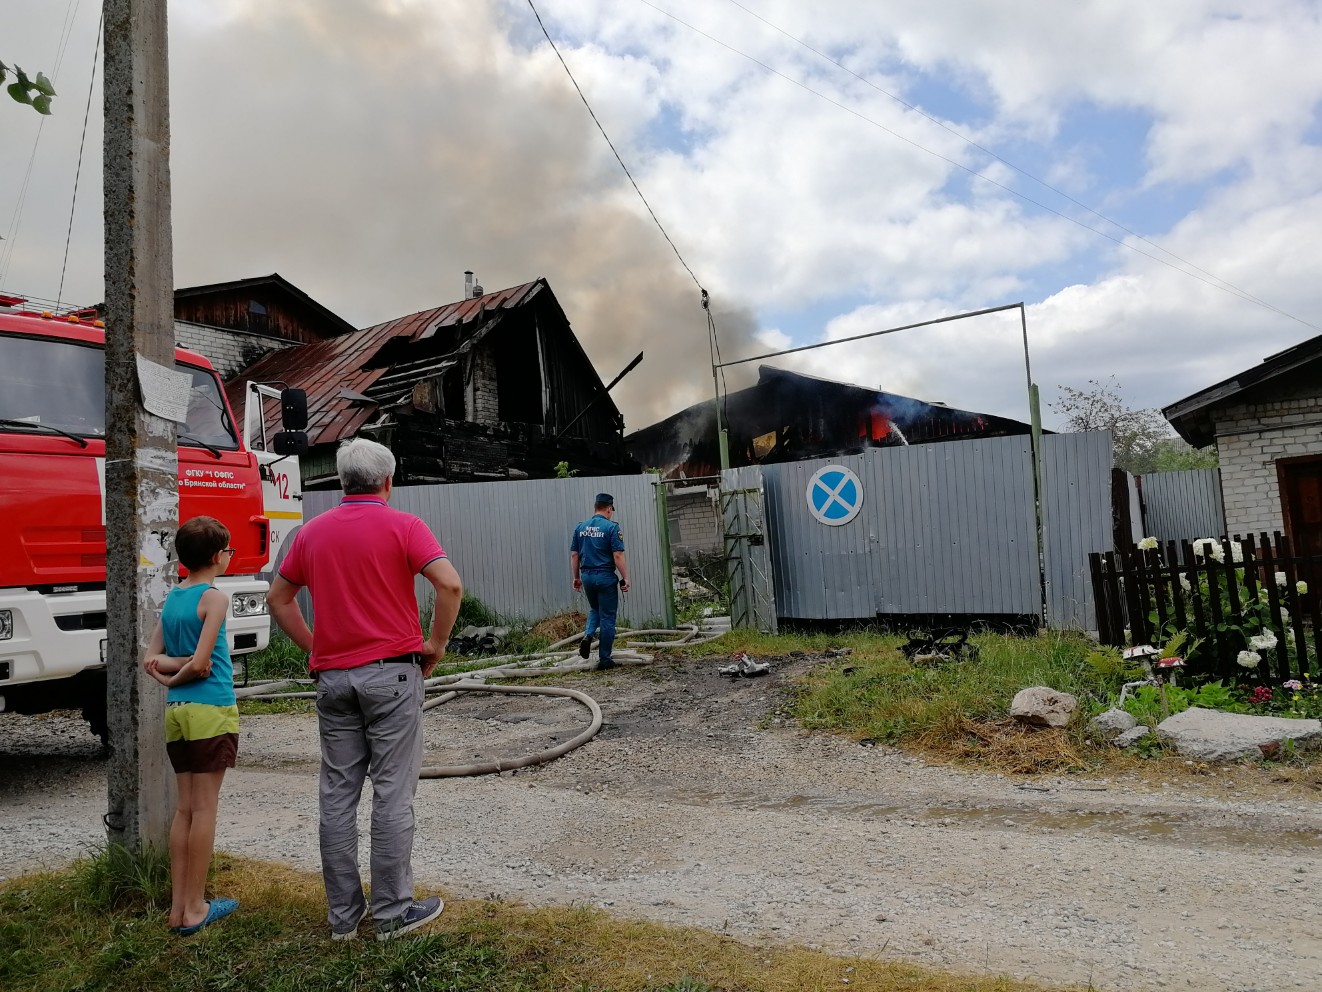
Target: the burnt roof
(1193, 417)
(273, 281)
(337, 372)
(812, 417)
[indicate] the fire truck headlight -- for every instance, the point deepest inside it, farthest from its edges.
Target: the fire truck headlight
(6, 624)
(248, 604)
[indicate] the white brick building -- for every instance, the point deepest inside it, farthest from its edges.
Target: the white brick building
(1266, 423)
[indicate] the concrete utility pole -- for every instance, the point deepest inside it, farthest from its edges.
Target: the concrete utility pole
(142, 498)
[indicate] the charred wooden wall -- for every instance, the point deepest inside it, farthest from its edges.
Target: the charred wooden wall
(234, 309)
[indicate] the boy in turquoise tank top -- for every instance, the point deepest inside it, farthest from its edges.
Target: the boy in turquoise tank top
(190, 654)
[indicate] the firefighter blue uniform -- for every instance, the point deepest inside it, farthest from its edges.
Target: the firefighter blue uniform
(595, 542)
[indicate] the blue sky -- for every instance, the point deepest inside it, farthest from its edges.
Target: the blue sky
(371, 150)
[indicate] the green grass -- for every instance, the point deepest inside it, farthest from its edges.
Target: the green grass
(281, 659)
(64, 931)
(884, 697)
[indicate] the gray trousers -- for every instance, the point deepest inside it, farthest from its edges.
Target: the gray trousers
(370, 720)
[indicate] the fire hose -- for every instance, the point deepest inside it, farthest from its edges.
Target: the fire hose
(554, 661)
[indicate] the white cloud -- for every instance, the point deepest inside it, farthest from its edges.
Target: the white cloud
(371, 151)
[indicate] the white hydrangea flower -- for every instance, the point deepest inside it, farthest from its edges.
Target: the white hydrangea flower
(1248, 659)
(1236, 551)
(1263, 642)
(1281, 580)
(1217, 552)
(1285, 616)
(1148, 544)
(1301, 587)
(1186, 584)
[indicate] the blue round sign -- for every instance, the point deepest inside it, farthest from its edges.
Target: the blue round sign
(835, 495)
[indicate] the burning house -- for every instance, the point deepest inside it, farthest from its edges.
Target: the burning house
(789, 417)
(785, 417)
(495, 386)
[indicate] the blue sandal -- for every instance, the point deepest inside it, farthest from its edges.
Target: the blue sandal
(216, 909)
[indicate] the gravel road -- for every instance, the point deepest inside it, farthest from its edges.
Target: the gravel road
(693, 807)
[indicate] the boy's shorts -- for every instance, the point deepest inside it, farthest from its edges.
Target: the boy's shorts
(200, 737)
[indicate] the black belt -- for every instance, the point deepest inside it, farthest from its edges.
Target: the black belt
(412, 658)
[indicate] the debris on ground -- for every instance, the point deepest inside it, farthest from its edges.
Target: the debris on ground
(932, 647)
(477, 640)
(744, 666)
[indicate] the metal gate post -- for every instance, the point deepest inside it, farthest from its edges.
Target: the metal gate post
(667, 561)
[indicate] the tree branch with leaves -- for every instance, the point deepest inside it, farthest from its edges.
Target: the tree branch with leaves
(36, 93)
(1143, 439)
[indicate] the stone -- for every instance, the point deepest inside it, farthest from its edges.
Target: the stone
(1131, 737)
(1043, 707)
(1210, 735)
(1111, 724)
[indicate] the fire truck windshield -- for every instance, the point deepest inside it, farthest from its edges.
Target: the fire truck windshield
(61, 385)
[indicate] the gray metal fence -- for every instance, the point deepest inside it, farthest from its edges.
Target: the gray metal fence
(943, 528)
(1183, 506)
(510, 540)
(1076, 512)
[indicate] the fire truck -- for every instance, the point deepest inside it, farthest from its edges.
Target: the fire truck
(52, 506)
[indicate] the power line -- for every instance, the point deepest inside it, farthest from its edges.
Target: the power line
(987, 151)
(711, 322)
(82, 142)
(660, 227)
(1220, 285)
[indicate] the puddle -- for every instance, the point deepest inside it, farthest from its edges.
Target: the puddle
(1132, 824)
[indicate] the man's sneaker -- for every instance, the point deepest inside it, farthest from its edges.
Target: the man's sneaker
(604, 664)
(351, 934)
(419, 914)
(585, 647)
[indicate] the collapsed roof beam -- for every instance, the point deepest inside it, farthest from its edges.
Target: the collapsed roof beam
(582, 413)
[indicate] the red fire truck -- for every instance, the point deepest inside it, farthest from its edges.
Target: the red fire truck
(52, 509)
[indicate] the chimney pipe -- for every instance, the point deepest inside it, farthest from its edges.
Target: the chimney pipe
(468, 284)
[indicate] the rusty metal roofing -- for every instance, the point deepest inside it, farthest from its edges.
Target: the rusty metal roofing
(329, 368)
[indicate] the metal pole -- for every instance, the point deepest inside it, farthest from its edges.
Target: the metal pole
(722, 438)
(667, 561)
(142, 505)
(1039, 511)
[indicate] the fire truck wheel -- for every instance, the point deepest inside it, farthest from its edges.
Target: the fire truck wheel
(94, 712)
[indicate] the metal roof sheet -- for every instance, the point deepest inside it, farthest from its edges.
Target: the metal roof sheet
(327, 368)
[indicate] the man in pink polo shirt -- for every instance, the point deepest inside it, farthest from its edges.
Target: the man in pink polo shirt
(368, 657)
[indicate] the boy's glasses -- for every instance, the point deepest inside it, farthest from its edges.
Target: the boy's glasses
(228, 551)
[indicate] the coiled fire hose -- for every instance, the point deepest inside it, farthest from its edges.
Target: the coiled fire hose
(554, 661)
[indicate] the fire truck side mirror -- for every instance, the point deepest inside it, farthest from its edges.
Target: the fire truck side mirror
(294, 409)
(290, 443)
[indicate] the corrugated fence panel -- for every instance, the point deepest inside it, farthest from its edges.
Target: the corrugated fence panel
(824, 572)
(510, 540)
(1184, 506)
(953, 527)
(1076, 506)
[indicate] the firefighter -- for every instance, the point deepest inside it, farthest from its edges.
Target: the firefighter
(596, 555)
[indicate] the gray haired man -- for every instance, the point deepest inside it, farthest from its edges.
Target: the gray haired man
(367, 654)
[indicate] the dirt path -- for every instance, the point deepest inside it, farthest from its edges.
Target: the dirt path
(685, 810)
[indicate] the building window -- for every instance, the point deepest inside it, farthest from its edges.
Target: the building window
(258, 319)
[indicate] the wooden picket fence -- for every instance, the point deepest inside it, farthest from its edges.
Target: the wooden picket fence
(1154, 592)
